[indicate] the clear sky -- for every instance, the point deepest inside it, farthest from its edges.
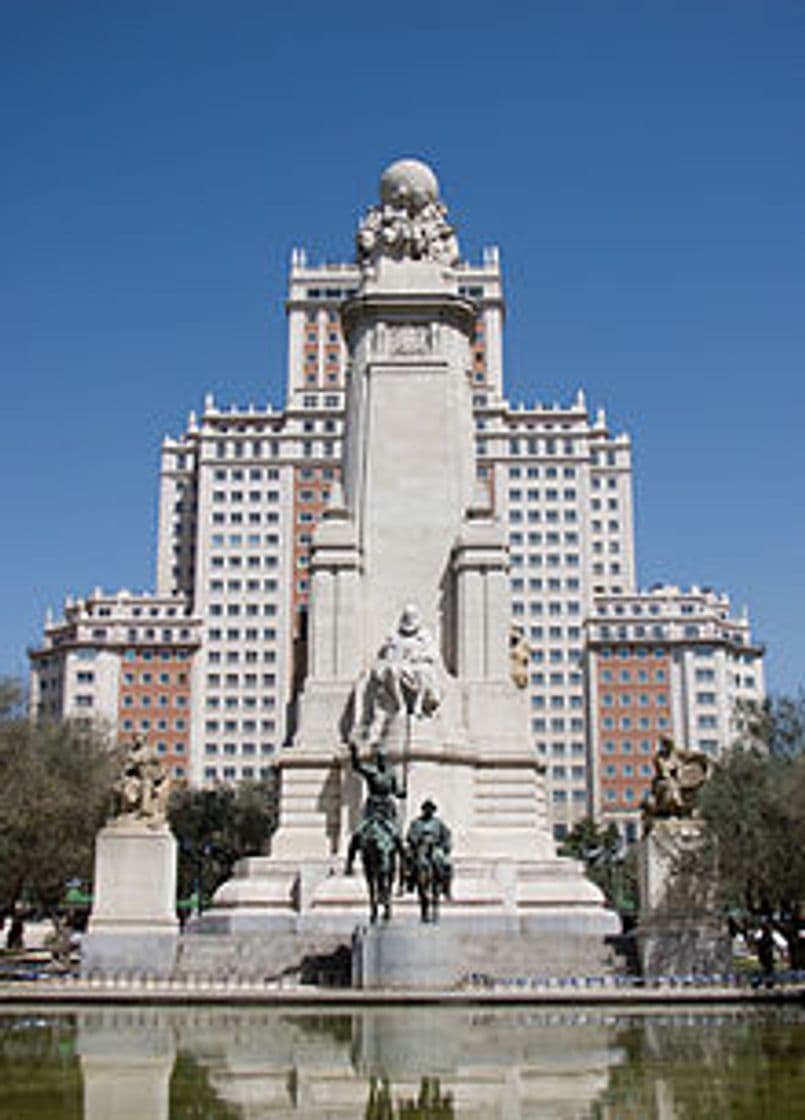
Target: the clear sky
(640, 164)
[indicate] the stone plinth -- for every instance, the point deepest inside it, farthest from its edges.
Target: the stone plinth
(679, 933)
(392, 955)
(133, 925)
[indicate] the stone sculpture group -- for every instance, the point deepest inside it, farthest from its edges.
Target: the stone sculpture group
(404, 680)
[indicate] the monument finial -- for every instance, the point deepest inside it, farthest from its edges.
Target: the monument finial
(410, 223)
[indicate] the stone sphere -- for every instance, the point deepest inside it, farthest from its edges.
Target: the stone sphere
(408, 183)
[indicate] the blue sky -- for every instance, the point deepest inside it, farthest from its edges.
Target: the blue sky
(641, 166)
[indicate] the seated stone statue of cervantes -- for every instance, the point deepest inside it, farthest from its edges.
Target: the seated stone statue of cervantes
(405, 677)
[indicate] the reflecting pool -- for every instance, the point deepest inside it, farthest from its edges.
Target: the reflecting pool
(401, 1064)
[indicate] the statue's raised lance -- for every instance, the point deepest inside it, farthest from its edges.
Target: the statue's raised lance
(378, 837)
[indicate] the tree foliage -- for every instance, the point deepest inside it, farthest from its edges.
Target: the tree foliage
(216, 827)
(55, 780)
(776, 726)
(753, 812)
(606, 863)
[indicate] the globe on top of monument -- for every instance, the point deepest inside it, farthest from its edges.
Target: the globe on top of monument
(410, 224)
(408, 184)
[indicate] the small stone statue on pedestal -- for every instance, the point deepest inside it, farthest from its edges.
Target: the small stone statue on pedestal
(133, 924)
(679, 774)
(142, 788)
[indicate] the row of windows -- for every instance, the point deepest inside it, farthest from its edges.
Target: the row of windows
(239, 495)
(567, 495)
(250, 656)
(625, 652)
(253, 474)
(234, 561)
(628, 795)
(627, 770)
(269, 634)
(232, 748)
(625, 699)
(162, 701)
(625, 676)
(548, 472)
(535, 515)
(251, 610)
(152, 655)
(556, 678)
(253, 517)
(626, 723)
(243, 585)
(557, 701)
(516, 538)
(537, 583)
(557, 724)
(241, 449)
(551, 559)
(212, 726)
(232, 702)
(645, 746)
(148, 678)
(234, 680)
(230, 773)
(238, 540)
(554, 608)
(562, 772)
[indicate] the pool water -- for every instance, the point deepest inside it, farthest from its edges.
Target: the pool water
(200, 1063)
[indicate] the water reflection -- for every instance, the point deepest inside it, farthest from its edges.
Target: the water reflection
(400, 1064)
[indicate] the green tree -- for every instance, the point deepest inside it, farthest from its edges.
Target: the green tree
(753, 811)
(216, 827)
(610, 867)
(55, 781)
(777, 725)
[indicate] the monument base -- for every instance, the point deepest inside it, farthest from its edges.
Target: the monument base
(133, 925)
(412, 957)
(683, 945)
(678, 934)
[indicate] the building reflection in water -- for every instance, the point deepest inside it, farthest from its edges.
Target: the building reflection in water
(402, 1064)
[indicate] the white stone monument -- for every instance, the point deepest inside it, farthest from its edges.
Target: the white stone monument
(133, 926)
(410, 535)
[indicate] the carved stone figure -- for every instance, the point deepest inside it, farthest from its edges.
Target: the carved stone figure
(679, 774)
(143, 785)
(404, 677)
(410, 222)
(519, 656)
(427, 860)
(378, 836)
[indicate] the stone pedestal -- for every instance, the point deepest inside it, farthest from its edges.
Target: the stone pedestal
(409, 956)
(679, 934)
(133, 925)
